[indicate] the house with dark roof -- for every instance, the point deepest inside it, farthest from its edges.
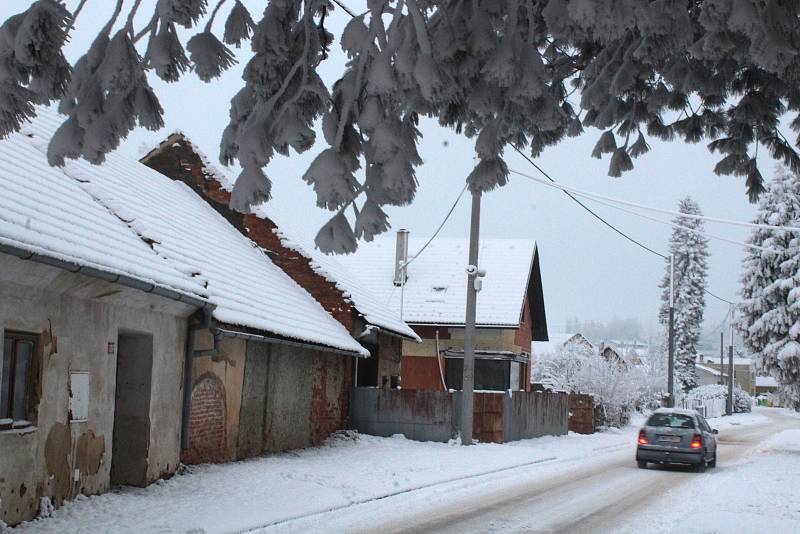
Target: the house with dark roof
(431, 297)
(142, 328)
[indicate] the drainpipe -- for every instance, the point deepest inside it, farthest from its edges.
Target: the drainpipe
(188, 378)
(439, 362)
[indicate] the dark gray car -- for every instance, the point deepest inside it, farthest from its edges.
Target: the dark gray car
(673, 436)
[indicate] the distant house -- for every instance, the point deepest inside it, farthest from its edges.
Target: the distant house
(560, 341)
(432, 299)
(611, 354)
(709, 371)
(766, 384)
(140, 328)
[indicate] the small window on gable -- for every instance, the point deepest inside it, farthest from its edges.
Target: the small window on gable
(17, 372)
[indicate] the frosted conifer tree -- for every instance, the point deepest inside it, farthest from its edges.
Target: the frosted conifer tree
(689, 249)
(500, 71)
(769, 316)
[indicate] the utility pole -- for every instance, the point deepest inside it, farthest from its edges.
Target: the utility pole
(730, 370)
(671, 342)
(721, 356)
(468, 382)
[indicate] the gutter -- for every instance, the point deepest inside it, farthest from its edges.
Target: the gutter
(106, 276)
(391, 333)
(279, 341)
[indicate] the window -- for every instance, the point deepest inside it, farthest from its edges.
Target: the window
(672, 420)
(16, 374)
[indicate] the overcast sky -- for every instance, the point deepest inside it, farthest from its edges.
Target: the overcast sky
(588, 271)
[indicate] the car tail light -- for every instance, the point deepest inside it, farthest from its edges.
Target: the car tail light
(643, 438)
(697, 441)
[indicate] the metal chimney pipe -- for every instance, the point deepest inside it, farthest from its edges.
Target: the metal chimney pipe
(401, 257)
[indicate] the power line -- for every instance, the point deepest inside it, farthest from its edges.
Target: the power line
(598, 217)
(587, 208)
(688, 229)
(345, 8)
(436, 233)
(595, 196)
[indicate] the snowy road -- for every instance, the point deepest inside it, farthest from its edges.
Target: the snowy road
(575, 483)
(600, 494)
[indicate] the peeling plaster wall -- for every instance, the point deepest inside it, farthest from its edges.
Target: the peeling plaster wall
(77, 317)
(275, 397)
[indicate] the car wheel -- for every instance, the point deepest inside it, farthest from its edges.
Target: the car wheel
(641, 464)
(701, 467)
(713, 462)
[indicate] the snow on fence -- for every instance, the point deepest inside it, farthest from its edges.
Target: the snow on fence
(712, 407)
(434, 415)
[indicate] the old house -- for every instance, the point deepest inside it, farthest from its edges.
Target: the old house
(277, 232)
(432, 299)
(140, 327)
(88, 311)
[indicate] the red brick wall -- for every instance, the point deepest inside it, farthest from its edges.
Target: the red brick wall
(207, 422)
(330, 395)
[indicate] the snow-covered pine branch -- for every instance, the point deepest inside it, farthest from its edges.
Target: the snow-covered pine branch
(501, 71)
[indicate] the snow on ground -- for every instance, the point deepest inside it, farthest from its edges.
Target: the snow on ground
(760, 493)
(349, 468)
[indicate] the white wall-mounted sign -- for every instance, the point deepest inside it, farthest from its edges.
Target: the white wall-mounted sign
(78, 396)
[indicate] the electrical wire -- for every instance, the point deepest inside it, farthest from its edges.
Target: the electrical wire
(587, 208)
(598, 217)
(345, 8)
(436, 233)
(595, 196)
(688, 229)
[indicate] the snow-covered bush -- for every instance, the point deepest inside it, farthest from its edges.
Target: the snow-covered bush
(617, 387)
(742, 401)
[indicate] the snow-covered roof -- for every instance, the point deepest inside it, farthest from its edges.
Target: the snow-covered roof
(247, 289)
(297, 236)
(44, 211)
(293, 236)
(556, 341)
(766, 382)
(435, 292)
(710, 370)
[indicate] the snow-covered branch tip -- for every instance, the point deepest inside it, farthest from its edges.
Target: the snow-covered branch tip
(728, 68)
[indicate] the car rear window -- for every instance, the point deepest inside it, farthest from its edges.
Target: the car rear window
(672, 420)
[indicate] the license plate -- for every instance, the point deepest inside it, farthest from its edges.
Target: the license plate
(669, 439)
